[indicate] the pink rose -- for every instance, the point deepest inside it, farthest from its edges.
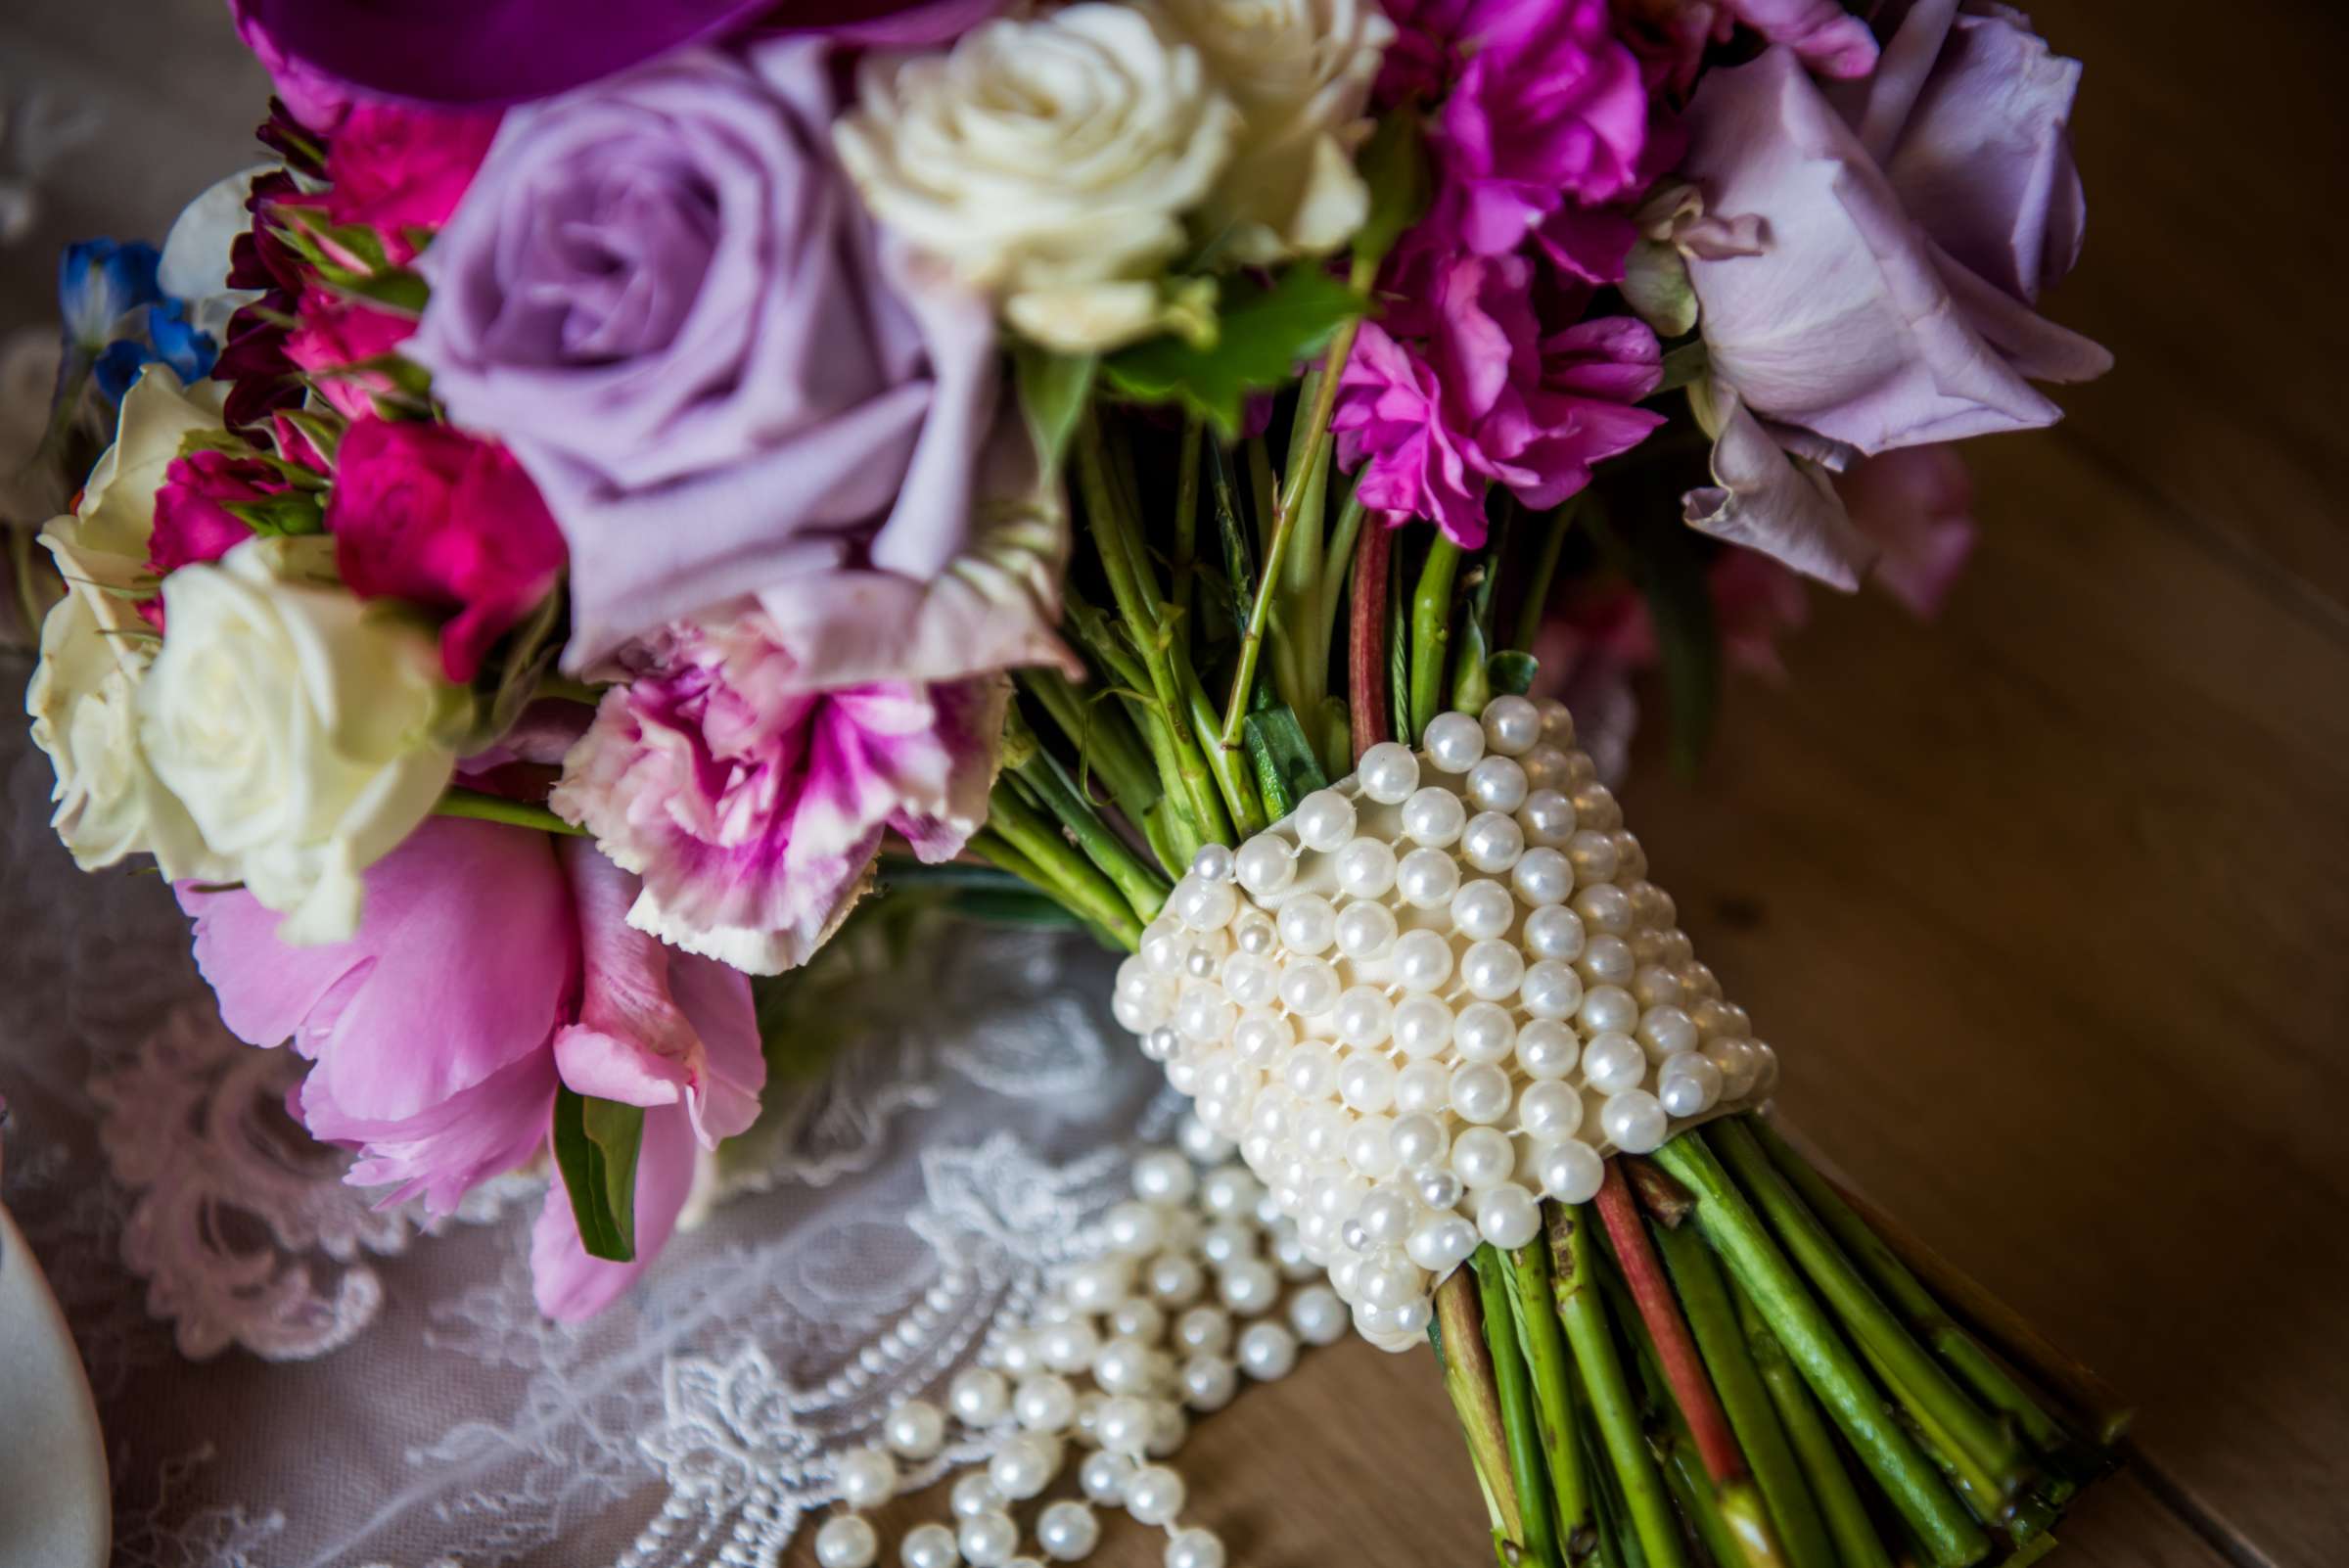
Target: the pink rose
(753, 807)
(400, 171)
(331, 334)
(429, 513)
(192, 520)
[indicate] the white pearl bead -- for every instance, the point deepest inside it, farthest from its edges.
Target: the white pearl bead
(1721, 1020)
(1267, 1352)
(1737, 1063)
(1249, 980)
(1044, 1404)
(1423, 1085)
(1547, 818)
(1483, 908)
(1205, 1013)
(1438, 1188)
(1160, 1042)
(1571, 1173)
(1309, 987)
(1547, 1048)
(1389, 1278)
(1311, 1070)
(1133, 1226)
(1168, 1428)
(1365, 929)
(1508, 1216)
(1316, 1316)
(1434, 817)
(1229, 1191)
(1608, 1010)
(974, 1495)
(1453, 742)
(1155, 1495)
(866, 1477)
(1212, 863)
(1388, 772)
(1498, 784)
(1363, 1018)
(1209, 1383)
(1325, 820)
(1068, 1531)
(1492, 969)
(1550, 990)
(1249, 1287)
(1688, 1085)
(846, 1540)
(1104, 1476)
(1492, 842)
(1365, 867)
(916, 1429)
(1542, 876)
(1592, 853)
(1260, 1039)
(1025, 1465)
(1547, 767)
(1419, 1140)
(1203, 906)
(1557, 724)
(1124, 1424)
(1098, 1285)
(1264, 865)
(929, 1545)
(1607, 961)
(1553, 931)
(1480, 1092)
(1203, 1328)
(1176, 1280)
(1136, 1318)
(1613, 1062)
(1426, 878)
(1635, 1121)
(1513, 725)
(1307, 924)
(1440, 1243)
(1140, 1015)
(1164, 945)
(1370, 1144)
(1422, 960)
(987, 1539)
(1195, 1548)
(1484, 1031)
(1163, 1176)
(1666, 1030)
(1481, 1157)
(1548, 1109)
(1367, 1081)
(1422, 1026)
(1658, 987)
(1255, 935)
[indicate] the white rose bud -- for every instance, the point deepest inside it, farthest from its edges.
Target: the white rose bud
(96, 648)
(1299, 72)
(1049, 162)
(305, 731)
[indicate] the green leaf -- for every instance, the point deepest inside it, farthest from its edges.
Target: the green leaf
(530, 655)
(1655, 284)
(1393, 164)
(1285, 765)
(290, 515)
(1052, 391)
(1260, 336)
(595, 1150)
(1687, 363)
(1511, 671)
(397, 290)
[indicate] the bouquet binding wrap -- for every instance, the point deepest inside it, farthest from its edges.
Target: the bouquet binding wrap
(622, 487)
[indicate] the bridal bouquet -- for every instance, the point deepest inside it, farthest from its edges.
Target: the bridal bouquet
(603, 501)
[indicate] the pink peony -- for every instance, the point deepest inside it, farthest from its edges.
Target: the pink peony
(401, 170)
(1542, 110)
(331, 334)
(753, 807)
(440, 1029)
(1472, 392)
(429, 513)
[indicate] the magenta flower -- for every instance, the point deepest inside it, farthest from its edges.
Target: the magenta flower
(1463, 389)
(192, 520)
(440, 1029)
(401, 170)
(1542, 110)
(429, 513)
(753, 806)
(332, 334)
(1671, 36)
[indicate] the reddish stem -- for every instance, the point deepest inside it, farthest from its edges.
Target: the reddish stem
(1366, 640)
(1676, 1347)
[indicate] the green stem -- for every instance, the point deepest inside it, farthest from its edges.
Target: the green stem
(1061, 869)
(1858, 1544)
(1105, 743)
(1337, 565)
(1983, 1450)
(1543, 1343)
(1430, 632)
(1582, 1308)
(1518, 1421)
(1228, 764)
(1468, 1377)
(1186, 525)
(1536, 582)
(1948, 1533)
(1908, 1295)
(482, 808)
(1144, 891)
(992, 848)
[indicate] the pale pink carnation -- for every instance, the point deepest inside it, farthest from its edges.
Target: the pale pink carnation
(753, 806)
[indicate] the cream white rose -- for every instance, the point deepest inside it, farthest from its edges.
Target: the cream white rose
(305, 731)
(1299, 72)
(96, 648)
(1050, 163)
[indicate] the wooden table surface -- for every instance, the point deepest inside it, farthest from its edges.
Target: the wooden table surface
(2045, 904)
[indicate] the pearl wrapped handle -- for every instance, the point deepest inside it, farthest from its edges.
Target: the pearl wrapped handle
(1437, 991)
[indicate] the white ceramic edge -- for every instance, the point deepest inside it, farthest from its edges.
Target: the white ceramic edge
(77, 1530)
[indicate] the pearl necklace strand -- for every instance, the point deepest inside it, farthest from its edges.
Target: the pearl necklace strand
(1436, 992)
(1199, 1281)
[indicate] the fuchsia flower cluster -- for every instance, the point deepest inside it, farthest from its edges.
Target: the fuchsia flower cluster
(583, 365)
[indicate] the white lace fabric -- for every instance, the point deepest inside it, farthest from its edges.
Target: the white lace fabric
(291, 1378)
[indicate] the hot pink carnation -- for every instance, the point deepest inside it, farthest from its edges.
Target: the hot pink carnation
(192, 517)
(429, 513)
(753, 807)
(489, 963)
(1474, 393)
(401, 169)
(331, 334)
